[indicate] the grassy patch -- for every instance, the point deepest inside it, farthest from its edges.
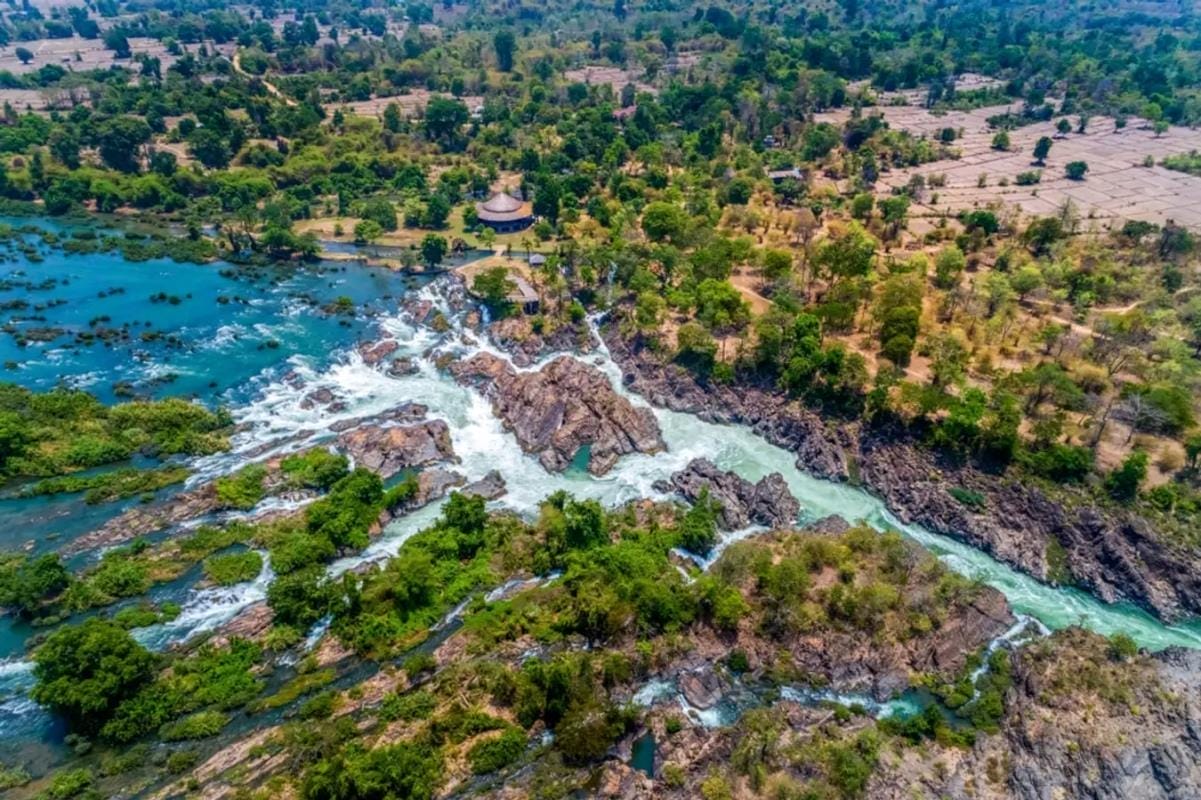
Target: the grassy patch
(231, 568)
(244, 489)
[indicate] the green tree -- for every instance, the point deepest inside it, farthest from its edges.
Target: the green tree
(1076, 170)
(443, 118)
(845, 255)
(547, 200)
(663, 221)
(494, 287)
(505, 44)
(1042, 148)
(433, 249)
(948, 266)
(1123, 482)
(120, 140)
(84, 672)
(115, 40)
(367, 231)
(1000, 141)
(210, 148)
(777, 264)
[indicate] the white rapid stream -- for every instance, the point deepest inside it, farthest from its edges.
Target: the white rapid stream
(482, 444)
(279, 421)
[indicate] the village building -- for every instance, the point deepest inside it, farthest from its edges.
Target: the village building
(523, 294)
(504, 213)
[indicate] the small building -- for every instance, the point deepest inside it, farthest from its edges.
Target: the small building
(778, 176)
(537, 260)
(504, 213)
(523, 294)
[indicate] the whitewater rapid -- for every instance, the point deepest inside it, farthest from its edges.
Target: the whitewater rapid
(280, 420)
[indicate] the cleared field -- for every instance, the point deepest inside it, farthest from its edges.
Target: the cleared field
(411, 104)
(613, 76)
(1117, 187)
(76, 54)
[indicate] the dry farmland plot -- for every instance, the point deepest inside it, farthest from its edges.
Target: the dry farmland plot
(411, 105)
(77, 54)
(613, 76)
(1117, 187)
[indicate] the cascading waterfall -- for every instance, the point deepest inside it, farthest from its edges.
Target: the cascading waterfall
(278, 421)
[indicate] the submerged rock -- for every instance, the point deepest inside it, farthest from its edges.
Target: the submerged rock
(402, 366)
(561, 408)
(768, 502)
(374, 353)
(388, 450)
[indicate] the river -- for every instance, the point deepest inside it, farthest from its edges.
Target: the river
(271, 412)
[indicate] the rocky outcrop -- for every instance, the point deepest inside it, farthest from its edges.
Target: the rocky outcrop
(702, 688)
(434, 484)
(403, 414)
(561, 408)
(768, 502)
(186, 506)
(374, 353)
(1077, 724)
(1111, 553)
(400, 367)
(143, 520)
(516, 337)
(386, 450)
(251, 623)
(1114, 554)
(489, 487)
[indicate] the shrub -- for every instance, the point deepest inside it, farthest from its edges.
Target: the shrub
(968, 497)
(418, 663)
(84, 671)
(314, 469)
(244, 489)
(198, 726)
(231, 568)
(75, 783)
(1122, 647)
(407, 707)
(1123, 482)
(497, 752)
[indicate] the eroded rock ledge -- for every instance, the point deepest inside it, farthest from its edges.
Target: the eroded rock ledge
(561, 408)
(386, 450)
(1111, 553)
(768, 502)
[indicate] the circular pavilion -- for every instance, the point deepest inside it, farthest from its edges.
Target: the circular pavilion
(504, 213)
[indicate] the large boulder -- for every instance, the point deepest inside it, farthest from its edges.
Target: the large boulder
(561, 408)
(768, 502)
(489, 487)
(386, 450)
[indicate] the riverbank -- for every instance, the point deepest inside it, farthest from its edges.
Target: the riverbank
(1108, 552)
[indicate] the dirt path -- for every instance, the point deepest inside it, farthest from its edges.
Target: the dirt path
(270, 87)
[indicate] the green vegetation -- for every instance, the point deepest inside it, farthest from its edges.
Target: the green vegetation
(61, 431)
(226, 570)
(106, 487)
(198, 726)
(497, 753)
(244, 489)
(693, 197)
(86, 672)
